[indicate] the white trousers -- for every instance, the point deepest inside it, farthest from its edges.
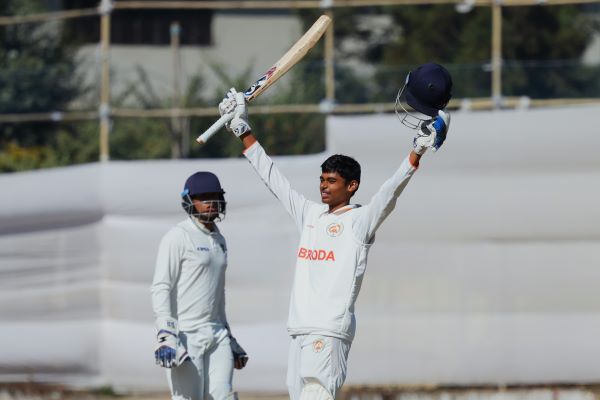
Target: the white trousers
(209, 374)
(317, 358)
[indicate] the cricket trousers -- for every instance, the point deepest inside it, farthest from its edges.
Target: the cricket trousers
(209, 373)
(317, 358)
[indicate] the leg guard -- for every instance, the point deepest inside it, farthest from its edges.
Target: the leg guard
(232, 396)
(313, 390)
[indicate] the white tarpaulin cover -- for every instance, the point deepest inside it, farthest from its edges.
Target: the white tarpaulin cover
(486, 272)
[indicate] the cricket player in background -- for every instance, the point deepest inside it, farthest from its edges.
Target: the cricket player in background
(335, 237)
(195, 344)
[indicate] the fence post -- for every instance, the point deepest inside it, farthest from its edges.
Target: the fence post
(496, 52)
(329, 60)
(105, 8)
(179, 144)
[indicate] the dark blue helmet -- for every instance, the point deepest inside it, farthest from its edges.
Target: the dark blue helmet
(200, 183)
(429, 89)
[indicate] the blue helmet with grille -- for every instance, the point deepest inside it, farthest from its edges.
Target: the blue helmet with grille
(202, 182)
(197, 187)
(429, 89)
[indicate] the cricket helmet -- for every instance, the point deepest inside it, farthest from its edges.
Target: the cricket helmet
(427, 90)
(198, 184)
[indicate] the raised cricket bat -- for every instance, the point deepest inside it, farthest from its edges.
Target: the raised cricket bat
(289, 59)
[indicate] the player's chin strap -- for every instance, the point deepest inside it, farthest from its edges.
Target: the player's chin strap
(188, 205)
(407, 117)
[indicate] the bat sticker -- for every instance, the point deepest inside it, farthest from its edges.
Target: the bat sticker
(256, 85)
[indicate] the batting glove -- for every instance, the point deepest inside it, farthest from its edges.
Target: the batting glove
(170, 352)
(227, 105)
(234, 104)
(240, 358)
(432, 133)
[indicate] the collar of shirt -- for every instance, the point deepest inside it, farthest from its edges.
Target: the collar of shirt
(340, 211)
(203, 228)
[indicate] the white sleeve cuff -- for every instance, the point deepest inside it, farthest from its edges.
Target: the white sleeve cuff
(249, 152)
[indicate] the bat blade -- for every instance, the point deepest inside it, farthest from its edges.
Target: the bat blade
(283, 65)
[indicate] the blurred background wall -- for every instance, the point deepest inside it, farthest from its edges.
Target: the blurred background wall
(485, 273)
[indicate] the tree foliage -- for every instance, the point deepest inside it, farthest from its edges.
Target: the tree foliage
(143, 138)
(375, 48)
(541, 47)
(542, 58)
(38, 73)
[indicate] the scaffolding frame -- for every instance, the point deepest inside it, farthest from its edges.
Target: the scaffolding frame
(107, 7)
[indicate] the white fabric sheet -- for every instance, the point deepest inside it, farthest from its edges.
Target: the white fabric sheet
(486, 272)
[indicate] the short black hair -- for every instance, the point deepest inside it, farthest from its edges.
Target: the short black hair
(347, 167)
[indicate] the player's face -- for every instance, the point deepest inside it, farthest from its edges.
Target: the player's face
(335, 191)
(207, 205)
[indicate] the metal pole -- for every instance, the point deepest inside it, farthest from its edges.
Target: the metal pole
(329, 60)
(176, 137)
(105, 10)
(497, 52)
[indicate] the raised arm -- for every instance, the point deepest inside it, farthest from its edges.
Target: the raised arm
(384, 201)
(431, 135)
(293, 202)
(248, 139)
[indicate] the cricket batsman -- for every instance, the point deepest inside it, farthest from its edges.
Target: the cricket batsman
(336, 236)
(195, 344)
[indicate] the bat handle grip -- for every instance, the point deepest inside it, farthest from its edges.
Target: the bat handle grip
(214, 128)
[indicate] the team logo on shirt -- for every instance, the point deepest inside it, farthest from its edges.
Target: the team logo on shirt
(335, 229)
(200, 248)
(318, 345)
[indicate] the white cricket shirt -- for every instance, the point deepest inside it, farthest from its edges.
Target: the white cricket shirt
(332, 254)
(189, 279)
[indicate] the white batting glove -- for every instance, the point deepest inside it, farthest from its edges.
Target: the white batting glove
(170, 352)
(234, 104)
(227, 105)
(240, 358)
(432, 133)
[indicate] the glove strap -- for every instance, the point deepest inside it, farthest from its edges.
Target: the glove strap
(240, 126)
(167, 325)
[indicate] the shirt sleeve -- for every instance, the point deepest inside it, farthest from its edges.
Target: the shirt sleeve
(223, 314)
(293, 202)
(166, 273)
(382, 203)
(221, 306)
